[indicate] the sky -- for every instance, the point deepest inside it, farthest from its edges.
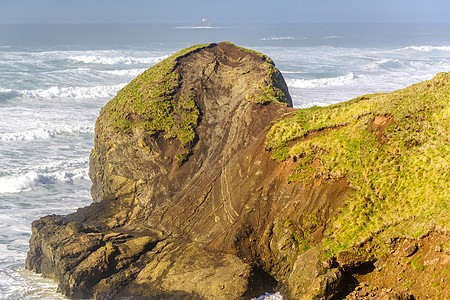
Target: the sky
(225, 11)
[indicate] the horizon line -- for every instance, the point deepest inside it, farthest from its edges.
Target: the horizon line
(219, 23)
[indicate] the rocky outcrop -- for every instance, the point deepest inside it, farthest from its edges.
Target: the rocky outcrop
(189, 202)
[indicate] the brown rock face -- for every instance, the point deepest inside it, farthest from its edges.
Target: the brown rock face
(207, 219)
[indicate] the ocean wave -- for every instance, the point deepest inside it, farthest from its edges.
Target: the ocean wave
(280, 38)
(395, 65)
(293, 72)
(32, 179)
(120, 60)
(6, 94)
(102, 57)
(19, 283)
(386, 64)
(332, 37)
(16, 184)
(73, 92)
(44, 133)
(426, 48)
(129, 72)
(321, 82)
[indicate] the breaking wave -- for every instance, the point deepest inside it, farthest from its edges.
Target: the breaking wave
(322, 82)
(427, 48)
(32, 179)
(18, 283)
(293, 72)
(332, 37)
(121, 60)
(73, 92)
(44, 133)
(389, 64)
(130, 72)
(6, 94)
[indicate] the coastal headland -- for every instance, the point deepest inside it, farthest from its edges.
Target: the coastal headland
(207, 184)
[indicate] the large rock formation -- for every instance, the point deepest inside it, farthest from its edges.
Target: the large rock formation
(194, 198)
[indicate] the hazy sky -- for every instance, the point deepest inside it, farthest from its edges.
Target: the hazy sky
(224, 11)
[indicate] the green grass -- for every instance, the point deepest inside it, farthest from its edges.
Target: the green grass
(270, 94)
(400, 188)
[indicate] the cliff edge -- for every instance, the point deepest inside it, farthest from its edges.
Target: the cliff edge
(207, 184)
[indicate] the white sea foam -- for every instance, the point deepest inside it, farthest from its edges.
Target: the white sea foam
(6, 255)
(293, 72)
(332, 37)
(18, 283)
(116, 60)
(388, 64)
(426, 48)
(31, 179)
(100, 57)
(73, 92)
(279, 38)
(18, 183)
(322, 82)
(44, 133)
(129, 72)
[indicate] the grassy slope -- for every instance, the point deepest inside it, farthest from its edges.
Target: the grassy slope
(401, 187)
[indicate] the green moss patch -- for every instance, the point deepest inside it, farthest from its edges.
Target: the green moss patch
(150, 102)
(394, 149)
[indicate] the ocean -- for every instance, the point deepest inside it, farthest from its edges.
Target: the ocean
(55, 78)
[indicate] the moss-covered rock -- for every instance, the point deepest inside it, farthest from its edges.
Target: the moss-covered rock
(150, 101)
(157, 101)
